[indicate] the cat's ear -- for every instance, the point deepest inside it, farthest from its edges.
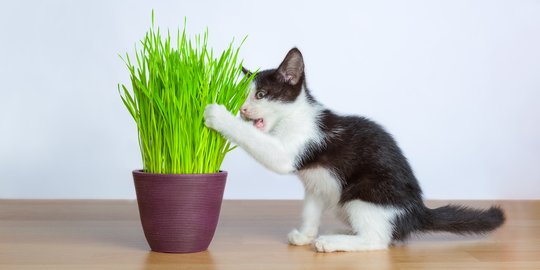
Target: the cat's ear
(292, 67)
(246, 72)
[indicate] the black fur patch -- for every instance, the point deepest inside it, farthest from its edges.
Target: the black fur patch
(269, 83)
(366, 158)
(284, 83)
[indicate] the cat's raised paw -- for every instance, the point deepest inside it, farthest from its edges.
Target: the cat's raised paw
(215, 116)
(299, 239)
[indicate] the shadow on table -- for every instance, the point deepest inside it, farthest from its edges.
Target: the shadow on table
(199, 260)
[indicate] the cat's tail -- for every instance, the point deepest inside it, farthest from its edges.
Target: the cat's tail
(462, 219)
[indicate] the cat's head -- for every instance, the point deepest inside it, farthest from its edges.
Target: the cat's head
(275, 92)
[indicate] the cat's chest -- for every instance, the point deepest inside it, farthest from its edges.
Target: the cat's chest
(295, 135)
(322, 183)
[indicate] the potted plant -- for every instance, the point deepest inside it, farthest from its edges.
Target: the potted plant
(180, 188)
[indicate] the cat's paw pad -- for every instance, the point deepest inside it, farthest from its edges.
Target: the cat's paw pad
(299, 239)
(215, 116)
(324, 243)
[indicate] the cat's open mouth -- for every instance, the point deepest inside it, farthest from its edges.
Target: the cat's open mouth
(258, 123)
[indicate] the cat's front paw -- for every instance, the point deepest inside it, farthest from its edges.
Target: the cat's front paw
(299, 239)
(215, 116)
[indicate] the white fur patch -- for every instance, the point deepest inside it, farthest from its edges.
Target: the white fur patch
(371, 223)
(321, 183)
(288, 128)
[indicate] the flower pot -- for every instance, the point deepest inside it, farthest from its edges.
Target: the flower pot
(179, 212)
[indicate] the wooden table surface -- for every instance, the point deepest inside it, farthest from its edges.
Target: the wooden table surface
(251, 235)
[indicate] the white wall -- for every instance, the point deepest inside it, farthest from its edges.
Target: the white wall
(456, 82)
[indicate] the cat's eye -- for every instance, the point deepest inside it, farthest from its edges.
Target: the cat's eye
(260, 94)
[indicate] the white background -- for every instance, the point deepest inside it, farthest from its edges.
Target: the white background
(456, 82)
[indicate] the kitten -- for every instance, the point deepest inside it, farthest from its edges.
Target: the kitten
(348, 164)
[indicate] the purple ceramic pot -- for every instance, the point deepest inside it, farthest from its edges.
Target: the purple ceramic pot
(179, 212)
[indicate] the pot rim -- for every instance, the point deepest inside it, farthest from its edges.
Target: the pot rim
(143, 173)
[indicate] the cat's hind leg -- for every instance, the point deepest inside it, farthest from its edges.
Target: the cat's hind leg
(372, 224)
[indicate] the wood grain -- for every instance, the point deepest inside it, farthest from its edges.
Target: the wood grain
(251, 235)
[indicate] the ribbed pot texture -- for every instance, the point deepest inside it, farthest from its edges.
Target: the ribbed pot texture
(179, 212)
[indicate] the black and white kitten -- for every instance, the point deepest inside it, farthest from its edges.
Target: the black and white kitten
(348, 164)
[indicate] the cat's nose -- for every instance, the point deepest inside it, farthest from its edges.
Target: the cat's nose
(243, 112)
